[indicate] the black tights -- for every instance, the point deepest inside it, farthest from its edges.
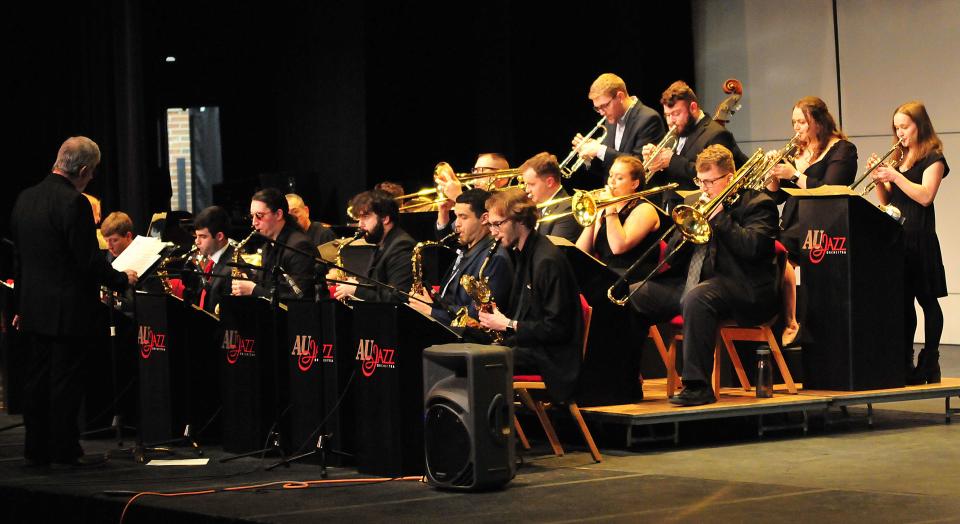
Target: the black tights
(932, 324)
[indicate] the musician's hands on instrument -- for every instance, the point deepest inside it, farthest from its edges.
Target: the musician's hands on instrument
(885, 174)
(344, 291)
(496, 320)
(589, 148)
(131, 276)
(241, 287)
(660, 162)
(420, 306)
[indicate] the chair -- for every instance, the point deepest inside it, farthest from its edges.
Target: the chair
(523, 384)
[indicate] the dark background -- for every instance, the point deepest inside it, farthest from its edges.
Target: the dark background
(337, 96)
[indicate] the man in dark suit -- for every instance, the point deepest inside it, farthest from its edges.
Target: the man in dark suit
(59, 273)
(545, 323)
(629, 123)
(377, 213)
(696, 130)
(318, 233)
(476, 244)
(541, 178)
(293, 270)
(210, 226)
(733, 276)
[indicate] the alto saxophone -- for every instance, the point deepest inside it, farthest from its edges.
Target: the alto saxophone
(478, 287)
(236, 272)
(163, 272)
(416, 259)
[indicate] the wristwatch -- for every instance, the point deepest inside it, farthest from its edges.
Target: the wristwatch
(795, 178)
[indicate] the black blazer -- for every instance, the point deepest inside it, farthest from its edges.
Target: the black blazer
(218, 287)
(391, 265)
(60, 267)
(499, 271)
(546, 305)
(682, 168)
(320, 234)
(742, 255)
(642, 126)
(565, 227)
(301, 268)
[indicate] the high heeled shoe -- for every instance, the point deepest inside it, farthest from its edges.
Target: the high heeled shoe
(789, 334)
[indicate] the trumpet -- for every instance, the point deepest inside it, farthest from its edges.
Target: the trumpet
(568, 170)
(692, 221)
(669, 141)
(891, 158)
(785, 154)
(585, 206)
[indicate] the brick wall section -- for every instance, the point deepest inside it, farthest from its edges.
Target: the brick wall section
(178, 143)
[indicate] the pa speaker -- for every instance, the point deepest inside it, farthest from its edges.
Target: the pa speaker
(468, 416)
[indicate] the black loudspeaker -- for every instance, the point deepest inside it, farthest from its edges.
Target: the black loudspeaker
(468, 416)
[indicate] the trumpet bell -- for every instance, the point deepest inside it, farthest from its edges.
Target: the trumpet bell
(691, 224)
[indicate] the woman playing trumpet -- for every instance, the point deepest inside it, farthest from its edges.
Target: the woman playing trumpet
(616, 237)
(825, 157)
(912, 187)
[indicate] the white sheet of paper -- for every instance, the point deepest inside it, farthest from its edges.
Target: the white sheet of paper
(142, 253)
(179, 462)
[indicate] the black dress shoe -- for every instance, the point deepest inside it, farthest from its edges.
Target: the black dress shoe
(83, 462)
(694, 396)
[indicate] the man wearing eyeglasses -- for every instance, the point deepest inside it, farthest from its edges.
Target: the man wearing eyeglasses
(543, 321)
(732, 276)
(695, 130)
(295, 271)
(630, 125)
(377, 213)
(452, 187)
(541, 180)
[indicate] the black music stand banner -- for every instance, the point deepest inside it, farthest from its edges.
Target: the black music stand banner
(852, 277)
(389, 343)
(337, 361)
(305, 350)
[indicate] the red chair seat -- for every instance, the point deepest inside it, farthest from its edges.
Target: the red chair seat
(527, 378)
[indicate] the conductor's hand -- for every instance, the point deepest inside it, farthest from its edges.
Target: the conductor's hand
(242, 287)
(496, 321)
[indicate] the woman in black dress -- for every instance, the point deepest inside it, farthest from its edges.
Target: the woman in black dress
(825, 157)
(912, 187)
(617, 236)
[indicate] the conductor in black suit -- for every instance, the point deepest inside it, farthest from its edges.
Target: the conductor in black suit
(377, 212)
(293, 271)
(541, 178)
(696, 130)
(211, 226)
(543, 321)
(733, 276)
(59, 273)
(630, 125)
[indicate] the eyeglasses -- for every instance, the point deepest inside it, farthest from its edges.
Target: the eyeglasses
(258, 215)
(478, 170)
(603, 107)
(497, 224)
(708, 183)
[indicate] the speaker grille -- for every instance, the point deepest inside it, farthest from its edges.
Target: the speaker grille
(447, 443)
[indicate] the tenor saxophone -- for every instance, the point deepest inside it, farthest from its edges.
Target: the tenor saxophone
(478, 287)
(416, 259)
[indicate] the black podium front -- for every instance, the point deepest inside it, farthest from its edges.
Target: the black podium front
(852, 277)
(177, 362)
(250, 363)
(389, 340)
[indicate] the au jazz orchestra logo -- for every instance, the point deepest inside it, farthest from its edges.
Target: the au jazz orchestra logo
(150, 341)
(374, 356)
(236, 346)
(306, 351)
(819, 244)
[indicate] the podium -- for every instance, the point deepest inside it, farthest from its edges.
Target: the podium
(177, 363)
(388, 343)
(610, 372)
(252, 387)
(853, 263)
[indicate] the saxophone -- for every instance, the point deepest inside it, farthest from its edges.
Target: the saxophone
(417, 260)
(478, 287)
(341, 274)
(163, 272)
(236, 272)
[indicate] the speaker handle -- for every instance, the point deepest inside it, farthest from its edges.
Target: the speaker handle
(497, 419)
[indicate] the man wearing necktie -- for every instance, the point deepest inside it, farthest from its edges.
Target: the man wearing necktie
(541, 179)
(732, 276)
(475, 241)
(210, 226)
(377, 213)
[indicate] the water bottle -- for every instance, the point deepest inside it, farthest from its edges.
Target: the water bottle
(764, 373)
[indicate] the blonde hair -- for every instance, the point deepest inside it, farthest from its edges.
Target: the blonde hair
(607, 84)
(118, 223)
(715, 155)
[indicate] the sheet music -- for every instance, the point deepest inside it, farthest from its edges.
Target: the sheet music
(140, 255)
(821, 191)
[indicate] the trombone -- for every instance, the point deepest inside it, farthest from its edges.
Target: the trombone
(463, 178)
(692, 221)
(585, 206)
(568, 170)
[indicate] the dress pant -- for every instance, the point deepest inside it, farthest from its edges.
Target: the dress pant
(703, 308)
(53, 392)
